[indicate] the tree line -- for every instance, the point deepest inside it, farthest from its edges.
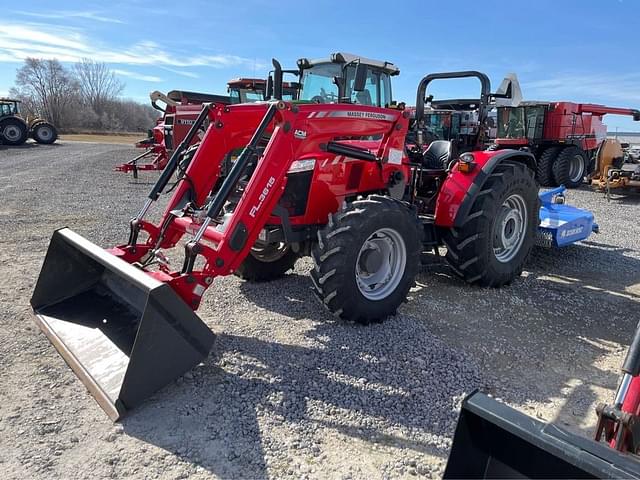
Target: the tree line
(84, 97)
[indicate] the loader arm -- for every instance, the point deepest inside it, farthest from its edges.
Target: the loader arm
(294, 131)
(123, 319)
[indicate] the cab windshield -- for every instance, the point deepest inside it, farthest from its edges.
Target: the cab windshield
(511, 122)
(318, 83)
(319, 86)
(246, 95)
(8, 109)
(442, 126)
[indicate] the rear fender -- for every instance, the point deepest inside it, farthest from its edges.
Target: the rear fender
(459, 190)
(14, 117)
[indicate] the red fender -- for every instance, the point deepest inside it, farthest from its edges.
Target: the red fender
(460, 189)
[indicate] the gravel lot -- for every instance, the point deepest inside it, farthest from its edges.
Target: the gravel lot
(290, 391)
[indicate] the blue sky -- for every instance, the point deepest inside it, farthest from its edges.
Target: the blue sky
(580, 50)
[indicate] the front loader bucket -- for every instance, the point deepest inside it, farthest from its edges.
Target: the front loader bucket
(124, 333)
(493, 440)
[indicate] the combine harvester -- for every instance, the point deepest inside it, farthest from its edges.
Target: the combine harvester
(564, 137)
(336, 181)
(180, 110)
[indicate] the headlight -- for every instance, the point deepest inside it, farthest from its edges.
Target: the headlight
(302, 165)
(467, 163)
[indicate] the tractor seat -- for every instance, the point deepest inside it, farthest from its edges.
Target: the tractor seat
(439, 155)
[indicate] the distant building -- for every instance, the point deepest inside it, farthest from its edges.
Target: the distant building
(632, 138)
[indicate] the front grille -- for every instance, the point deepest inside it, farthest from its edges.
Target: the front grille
(296, 193)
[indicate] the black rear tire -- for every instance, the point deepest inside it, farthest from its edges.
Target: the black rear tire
(267, 263)
(44, 133)
(366, 259)
(471, 248)
(544, 172)
(13, 131)
(570, 167)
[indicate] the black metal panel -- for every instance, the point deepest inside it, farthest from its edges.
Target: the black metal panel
(124, 334)
(493, 440)
(296, 193)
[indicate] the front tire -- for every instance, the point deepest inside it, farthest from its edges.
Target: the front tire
(44, 133)
(570, 167)
(366, 259)
(496, 238)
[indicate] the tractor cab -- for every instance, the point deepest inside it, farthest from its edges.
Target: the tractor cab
(520, 125)
(248, 90)
(459, 124)
(9, 107)
(346, 78)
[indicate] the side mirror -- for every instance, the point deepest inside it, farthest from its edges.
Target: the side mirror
(360, 81)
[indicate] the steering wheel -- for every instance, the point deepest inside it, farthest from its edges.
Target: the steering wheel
(317, 99)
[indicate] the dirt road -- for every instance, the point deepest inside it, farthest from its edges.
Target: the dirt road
(290, 391)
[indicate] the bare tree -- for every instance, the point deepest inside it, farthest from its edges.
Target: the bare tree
(98, 84)
(84, 98)
(50, 88)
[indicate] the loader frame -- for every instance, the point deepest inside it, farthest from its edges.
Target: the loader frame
(290, 131)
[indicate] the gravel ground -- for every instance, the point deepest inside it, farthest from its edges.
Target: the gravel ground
(290, 391)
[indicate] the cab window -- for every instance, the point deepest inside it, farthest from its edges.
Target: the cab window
(318, 83)
(377, 90)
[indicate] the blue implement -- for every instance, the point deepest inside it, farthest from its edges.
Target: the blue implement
(561, 224)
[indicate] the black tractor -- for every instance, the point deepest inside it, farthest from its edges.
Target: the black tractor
(15, 130)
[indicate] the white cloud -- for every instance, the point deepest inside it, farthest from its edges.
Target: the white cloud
(591, 87)
(96, 16)
(137, 76)
(19, 41)
(184, 73)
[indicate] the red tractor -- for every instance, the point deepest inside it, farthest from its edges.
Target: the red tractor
(337, 181)
(180, 110)
(563, 136)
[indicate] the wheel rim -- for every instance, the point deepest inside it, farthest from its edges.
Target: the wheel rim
(12, 133)
(271, 252)
(45, 133)
(380, 264)
(510, 228)
(576, 168)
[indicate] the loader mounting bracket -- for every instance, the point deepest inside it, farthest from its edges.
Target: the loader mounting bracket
(621, 427)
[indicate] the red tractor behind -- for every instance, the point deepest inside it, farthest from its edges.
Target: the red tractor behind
(180, 110)
(564, 136)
